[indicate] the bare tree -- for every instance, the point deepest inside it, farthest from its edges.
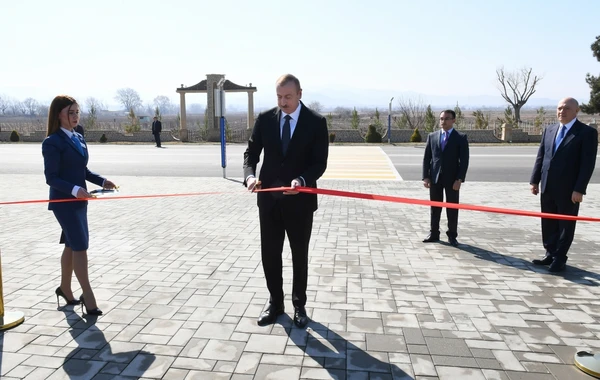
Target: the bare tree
(21, 108)
(517, 87)
(342, 112)
(4, 104)
(413, 112)
(42, 109)
(15, 106)
(129, 98)
(93, 106)
(316, 106)
(30, 105)
(92, 103)
(164, 104)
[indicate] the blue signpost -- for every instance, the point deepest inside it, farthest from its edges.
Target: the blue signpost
(220, 113)
(223, 145)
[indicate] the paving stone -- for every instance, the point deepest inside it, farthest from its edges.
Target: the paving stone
(451, 373)
(181, 292)
(273, 372)
(447, 347)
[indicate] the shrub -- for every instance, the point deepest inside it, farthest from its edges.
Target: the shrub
(416, 136)
(331, 137)
(372, 135)
(14, 136)
(132, 128)
(103, 138)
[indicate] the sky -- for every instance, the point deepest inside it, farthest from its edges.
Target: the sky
(345, 52)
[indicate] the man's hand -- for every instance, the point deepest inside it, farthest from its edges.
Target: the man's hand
(456, 185)
(295, 183)
(576, 197)
(535, 189)
(109, 185)
(427, 183)
(252, 183)
(82, 194)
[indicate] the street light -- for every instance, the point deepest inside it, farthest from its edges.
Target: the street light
(390, 121)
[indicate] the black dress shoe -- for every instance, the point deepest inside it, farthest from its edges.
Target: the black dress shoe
(269, 316)
(300, 318)
(431, 238)
(557, 265)
(453, 242)
(547, 260)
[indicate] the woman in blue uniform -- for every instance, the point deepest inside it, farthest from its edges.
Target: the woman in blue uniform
(65, 167)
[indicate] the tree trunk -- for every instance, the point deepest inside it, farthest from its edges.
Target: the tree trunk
(517, 115)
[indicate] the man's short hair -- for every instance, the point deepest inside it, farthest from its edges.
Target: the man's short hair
(288, 78)
(451, 112)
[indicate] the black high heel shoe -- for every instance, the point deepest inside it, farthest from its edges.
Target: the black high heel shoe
(60, 293)
(95, 311)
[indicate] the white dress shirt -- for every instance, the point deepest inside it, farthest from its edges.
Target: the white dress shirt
(568, 125)
(293, 121)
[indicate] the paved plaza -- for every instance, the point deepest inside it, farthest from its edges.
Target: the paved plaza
(181, 284)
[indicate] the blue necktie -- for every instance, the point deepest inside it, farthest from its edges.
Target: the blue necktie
(77, 144)
(285, 134)
(444, 139)
(561, 136)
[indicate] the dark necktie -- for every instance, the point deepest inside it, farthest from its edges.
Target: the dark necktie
(444, 139)
(561, 136)
(285, 134)
(77, 144)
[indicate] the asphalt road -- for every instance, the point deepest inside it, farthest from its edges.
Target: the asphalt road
(487, 163)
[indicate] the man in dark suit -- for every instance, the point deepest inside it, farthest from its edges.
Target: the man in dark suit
(156, 129)
(79, 129)
(445, 166)
(563, 168)
(296, 145)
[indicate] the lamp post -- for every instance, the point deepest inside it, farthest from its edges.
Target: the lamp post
(390, 121)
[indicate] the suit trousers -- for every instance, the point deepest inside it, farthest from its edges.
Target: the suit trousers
(436, 193)
(275, 222)
(557, 235)
(157, 139)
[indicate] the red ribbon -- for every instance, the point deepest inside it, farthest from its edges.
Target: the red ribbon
(111, 197)
(387, 198)
(339, 193)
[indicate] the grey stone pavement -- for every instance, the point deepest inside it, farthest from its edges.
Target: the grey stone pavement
(181, 284)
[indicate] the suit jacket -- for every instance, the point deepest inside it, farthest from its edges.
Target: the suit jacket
(65, 167)
(571, 166)
(453, 161)
(306, 156)
(156, 127)
(79, 129)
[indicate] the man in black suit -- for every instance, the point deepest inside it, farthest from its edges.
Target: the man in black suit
(564, 165)
(156, 129)
(445, 166)
(296, 145)
(79, 129)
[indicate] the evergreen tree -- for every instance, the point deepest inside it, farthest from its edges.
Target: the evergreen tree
(429, 120)
(593, 105)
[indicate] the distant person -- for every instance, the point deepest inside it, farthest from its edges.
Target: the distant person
(65, 168)
(445, 167)
(79, 129)
(156, 130)
(296, 145)
(564, 165)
